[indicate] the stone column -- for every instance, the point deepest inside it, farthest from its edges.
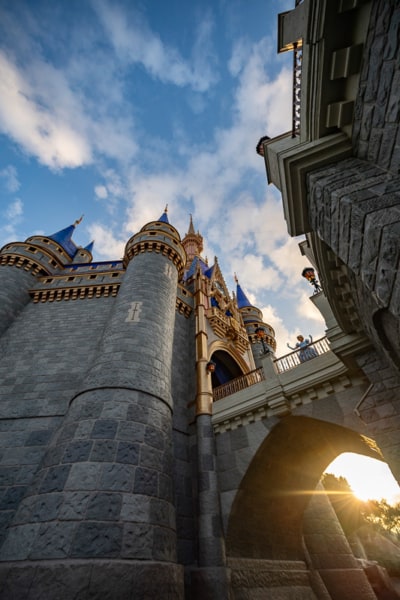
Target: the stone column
(211, 580)
(330, 552)
(99, 520)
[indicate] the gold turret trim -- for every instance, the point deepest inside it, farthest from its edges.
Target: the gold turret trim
(228, 327)
(74, 293)
(22, 262)
(183, 308)
(158, 246)
(87, 292)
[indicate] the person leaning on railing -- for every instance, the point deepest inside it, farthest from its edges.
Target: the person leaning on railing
(303, 346)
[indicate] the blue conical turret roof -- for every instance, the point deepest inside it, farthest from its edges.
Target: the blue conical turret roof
(164, 216)
(241, 298)
(89, 247)
(64, 239)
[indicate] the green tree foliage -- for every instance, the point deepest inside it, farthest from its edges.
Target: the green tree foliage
(383, 515)
(353, 513)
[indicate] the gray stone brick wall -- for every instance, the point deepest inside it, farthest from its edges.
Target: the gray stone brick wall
(14, 286)
(100, 492)
(355, 209)
(183, 393)
(45, 354)
(376, 130)
(235, 450)
(105, 487)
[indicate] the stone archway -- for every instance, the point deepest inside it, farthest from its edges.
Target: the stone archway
(267, 514)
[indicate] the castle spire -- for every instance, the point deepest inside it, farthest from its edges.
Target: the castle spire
(164, 216)
(191, 228)
(193, 243)
(242, 299)
(253, 319)
(64, 239)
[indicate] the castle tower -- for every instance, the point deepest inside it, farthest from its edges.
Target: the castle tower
(193, 244)
(105, 484)
(253, 321)
(38, 256)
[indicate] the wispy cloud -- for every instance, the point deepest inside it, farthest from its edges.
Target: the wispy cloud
(14, 210)
(136, 43)
(12, 216)
(42, 130)
(10, 179)
(81, 110)
(207, 179)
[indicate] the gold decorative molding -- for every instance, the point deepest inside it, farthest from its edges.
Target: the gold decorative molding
(227, 327)
(23, 262)
(74, 293)
(183, 308)
(86, 292)
(160, 248)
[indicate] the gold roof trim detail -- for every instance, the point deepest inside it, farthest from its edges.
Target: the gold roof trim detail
(228, 327)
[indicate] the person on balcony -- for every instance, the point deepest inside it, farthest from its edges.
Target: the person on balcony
(303, 346)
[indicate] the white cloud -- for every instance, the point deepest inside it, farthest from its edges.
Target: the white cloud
(240, 54)
(10, 177)
(12, 216)
(106, 244)
(14, 210)
(282, 334)
(101, 192)
(135, 42)
(41, 130)
(288, 259)
(307, 310)
(254, 275)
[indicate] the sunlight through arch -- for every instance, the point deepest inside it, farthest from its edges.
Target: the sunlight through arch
(370, 479)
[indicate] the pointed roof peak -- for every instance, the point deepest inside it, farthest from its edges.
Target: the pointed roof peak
(89, 247)
(64, 239)
(242, 299)
(164, 216)
(191, 228)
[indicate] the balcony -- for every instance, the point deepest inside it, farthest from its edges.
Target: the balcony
(292, 360)
(281, 365)
(240, 383)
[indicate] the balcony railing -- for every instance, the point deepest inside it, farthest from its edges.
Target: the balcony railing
(294, 359)
(296, 93)
(240, 383)
(282, 364)
(297, 59)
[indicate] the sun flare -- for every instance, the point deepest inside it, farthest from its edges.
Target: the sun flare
(369, 479)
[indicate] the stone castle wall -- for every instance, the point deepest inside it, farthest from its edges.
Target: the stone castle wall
(354, 208)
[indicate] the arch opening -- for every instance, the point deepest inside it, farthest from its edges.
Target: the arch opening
(266, 519)
(226, 368)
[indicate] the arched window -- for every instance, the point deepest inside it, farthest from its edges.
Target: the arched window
(226, 368)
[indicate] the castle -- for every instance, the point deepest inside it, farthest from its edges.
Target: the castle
(101, 414)
(151, 444)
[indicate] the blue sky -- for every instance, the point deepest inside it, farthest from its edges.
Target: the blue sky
(113, 109)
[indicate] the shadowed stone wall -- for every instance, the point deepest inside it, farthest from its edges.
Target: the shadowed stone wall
(354, 208)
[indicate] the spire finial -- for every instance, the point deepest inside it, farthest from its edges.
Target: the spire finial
(191, 228)
(78, 221)
(235, 277)
(166, 208)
